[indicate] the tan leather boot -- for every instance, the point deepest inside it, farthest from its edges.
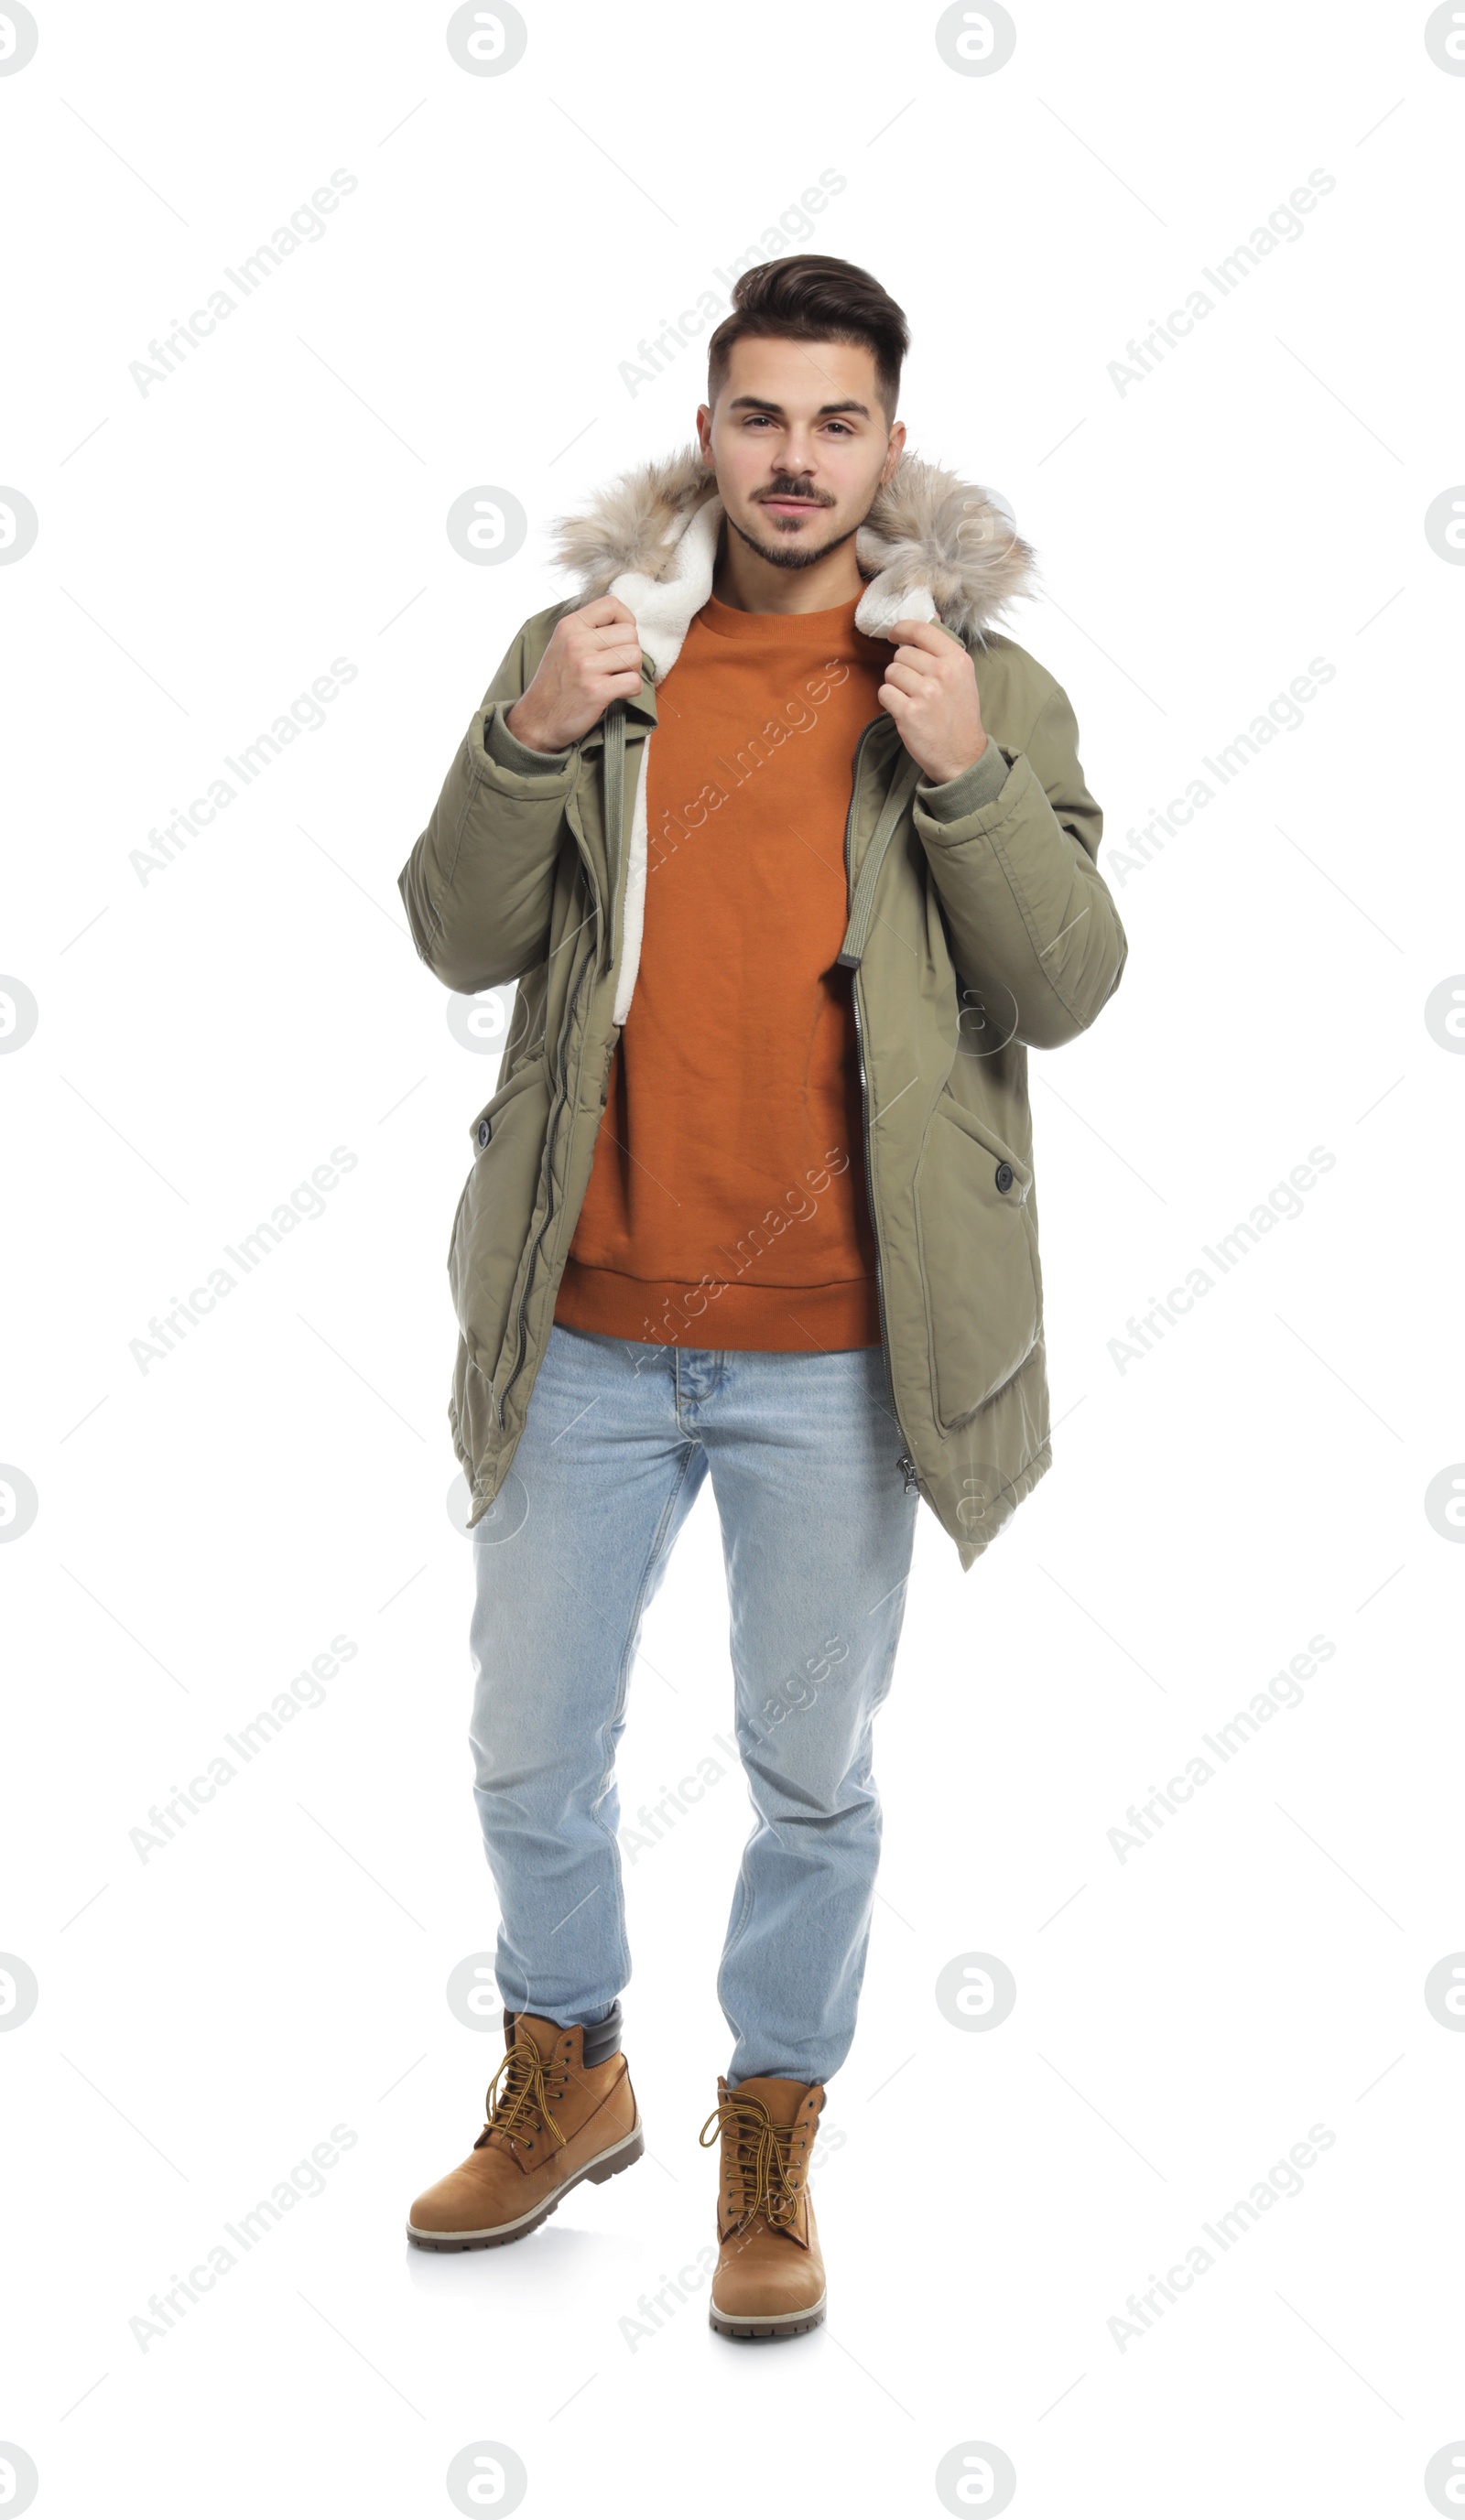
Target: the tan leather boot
(552, 2121)
(769, 2279)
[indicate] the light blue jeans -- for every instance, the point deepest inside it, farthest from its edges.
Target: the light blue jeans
(817, 1531)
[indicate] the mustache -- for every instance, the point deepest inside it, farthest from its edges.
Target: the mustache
(791, 490)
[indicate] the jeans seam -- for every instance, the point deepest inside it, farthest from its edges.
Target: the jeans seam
(739, 1923)
(622, 1691)
(863, 1761)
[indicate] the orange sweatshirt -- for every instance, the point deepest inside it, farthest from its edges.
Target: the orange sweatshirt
(726, 1206)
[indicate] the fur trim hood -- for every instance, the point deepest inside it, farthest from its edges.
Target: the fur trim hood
(933, 547)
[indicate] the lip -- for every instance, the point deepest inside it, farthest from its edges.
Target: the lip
(793, 507)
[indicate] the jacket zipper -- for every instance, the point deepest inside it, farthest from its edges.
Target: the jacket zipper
(903, 1463)
(556, 1109)
(557, 1105)
(571, 1004)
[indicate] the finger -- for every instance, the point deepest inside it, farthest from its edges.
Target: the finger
(906, 680)
(918, 634)
(606, 607)
(615, 641)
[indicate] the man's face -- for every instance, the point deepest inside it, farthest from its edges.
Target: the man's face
(799, 445)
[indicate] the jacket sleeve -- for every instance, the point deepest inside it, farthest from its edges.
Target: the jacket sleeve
(1011, 844)
(480, 881)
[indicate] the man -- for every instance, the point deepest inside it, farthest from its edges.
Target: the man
(791, 861)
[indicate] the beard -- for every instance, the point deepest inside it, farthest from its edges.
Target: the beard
(790, 555)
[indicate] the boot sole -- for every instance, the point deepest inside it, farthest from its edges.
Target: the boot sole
(618, 2156)
(768, 2331)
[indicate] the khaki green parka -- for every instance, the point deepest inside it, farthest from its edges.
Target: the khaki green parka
(980, 927)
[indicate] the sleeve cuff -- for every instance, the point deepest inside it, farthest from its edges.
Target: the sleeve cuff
(980, 784)
(503, 746)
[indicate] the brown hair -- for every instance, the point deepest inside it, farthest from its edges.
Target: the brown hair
(814, 298)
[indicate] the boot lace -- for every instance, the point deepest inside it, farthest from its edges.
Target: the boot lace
(517, 2101)
(758, 2157)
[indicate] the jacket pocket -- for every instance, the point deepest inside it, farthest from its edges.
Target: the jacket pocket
(979, 1260)
(494, 1209)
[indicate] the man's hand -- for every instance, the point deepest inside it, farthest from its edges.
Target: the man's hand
(930, 690)
(593, 658)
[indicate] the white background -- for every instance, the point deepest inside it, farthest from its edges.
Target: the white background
(206, 1038)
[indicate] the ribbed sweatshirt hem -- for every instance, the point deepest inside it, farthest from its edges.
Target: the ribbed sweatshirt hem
(669, 1313)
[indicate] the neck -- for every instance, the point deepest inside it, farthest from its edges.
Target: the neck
(747, 582)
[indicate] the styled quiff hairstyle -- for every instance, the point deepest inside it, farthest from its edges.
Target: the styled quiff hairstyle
(814, 298)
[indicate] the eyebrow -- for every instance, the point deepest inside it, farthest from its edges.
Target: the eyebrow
(757, 402)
